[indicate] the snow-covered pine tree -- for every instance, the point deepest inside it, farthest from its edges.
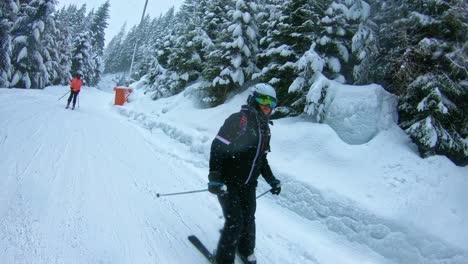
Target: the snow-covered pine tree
(28, 48)
(432, 74)
(127, 47)
(161, 28)
(76, 20)
(233, 60)
(64, 47)
(81, 59)
(309, 69)
(97, 27)
(289, 39)
(434, 123)
(364, 41)
(186, 57)
(97, 70)
(5, 41)
(113, 52)
(162, 81)
(343, 40)
(8, 12)
(52, 56)
(169, 40)
(161, 31)
(215, 17)
(214, 24)
(144, 54)
(245, 37)
(203, 42)
(156, 29)
(269, 14)
(343, 25)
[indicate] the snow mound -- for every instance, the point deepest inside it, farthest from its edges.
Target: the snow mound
(356, 113)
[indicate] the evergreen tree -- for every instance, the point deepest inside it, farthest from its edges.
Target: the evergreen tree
(215, 17)
(97, 28)
(81, 57)
(64, 47)
(214, 24)
(52, 56)
(365, 48)
(112, 55)
(289, 39)
(268, 17)
(28, 49)
(76, 20)
(342, 21)
(162, 81)
(192, 43)
(431, 72)
(168, 38)
(144, 54)
(232, 62)
(8, 11)
(128, 44)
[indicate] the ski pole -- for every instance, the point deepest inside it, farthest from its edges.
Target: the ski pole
(264, 193)
(63, 96)
(177, 193)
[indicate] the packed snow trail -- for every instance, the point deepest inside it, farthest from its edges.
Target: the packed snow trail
(80, 187)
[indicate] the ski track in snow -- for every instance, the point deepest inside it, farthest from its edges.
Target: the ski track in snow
(338, 214)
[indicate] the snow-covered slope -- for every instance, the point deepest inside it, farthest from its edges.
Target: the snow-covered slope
(80, 187)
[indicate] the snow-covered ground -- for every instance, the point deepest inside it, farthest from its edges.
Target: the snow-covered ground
(81, 187)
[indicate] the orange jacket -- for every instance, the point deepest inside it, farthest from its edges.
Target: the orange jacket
(76, 84)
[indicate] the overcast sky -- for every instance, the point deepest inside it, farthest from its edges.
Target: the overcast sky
(122, 11)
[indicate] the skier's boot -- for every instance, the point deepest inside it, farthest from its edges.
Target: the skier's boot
(68, 105)
(250, 259)
(73, 108)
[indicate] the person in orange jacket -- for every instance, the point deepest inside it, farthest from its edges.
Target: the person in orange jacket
(75, 87)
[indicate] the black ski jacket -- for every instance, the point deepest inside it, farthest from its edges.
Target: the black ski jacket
(239, 150)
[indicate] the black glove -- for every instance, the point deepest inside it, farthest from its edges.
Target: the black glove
(217, 188)
(275, 187)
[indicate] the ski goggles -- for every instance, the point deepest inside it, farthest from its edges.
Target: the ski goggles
(266, 100)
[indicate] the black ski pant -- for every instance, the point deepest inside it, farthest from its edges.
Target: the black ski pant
(239, 206)
(73, 95)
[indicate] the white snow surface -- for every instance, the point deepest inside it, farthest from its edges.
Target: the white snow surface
(356, 113)
(81, 187)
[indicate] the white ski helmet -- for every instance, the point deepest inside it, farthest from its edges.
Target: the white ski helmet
(262, 89)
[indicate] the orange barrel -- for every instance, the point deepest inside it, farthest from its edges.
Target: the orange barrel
(121, 95)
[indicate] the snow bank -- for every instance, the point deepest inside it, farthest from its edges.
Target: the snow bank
(356, 113)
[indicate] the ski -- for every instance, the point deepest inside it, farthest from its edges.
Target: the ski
(199, 245)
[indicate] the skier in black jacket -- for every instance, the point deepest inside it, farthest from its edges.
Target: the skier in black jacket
(238, 157)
